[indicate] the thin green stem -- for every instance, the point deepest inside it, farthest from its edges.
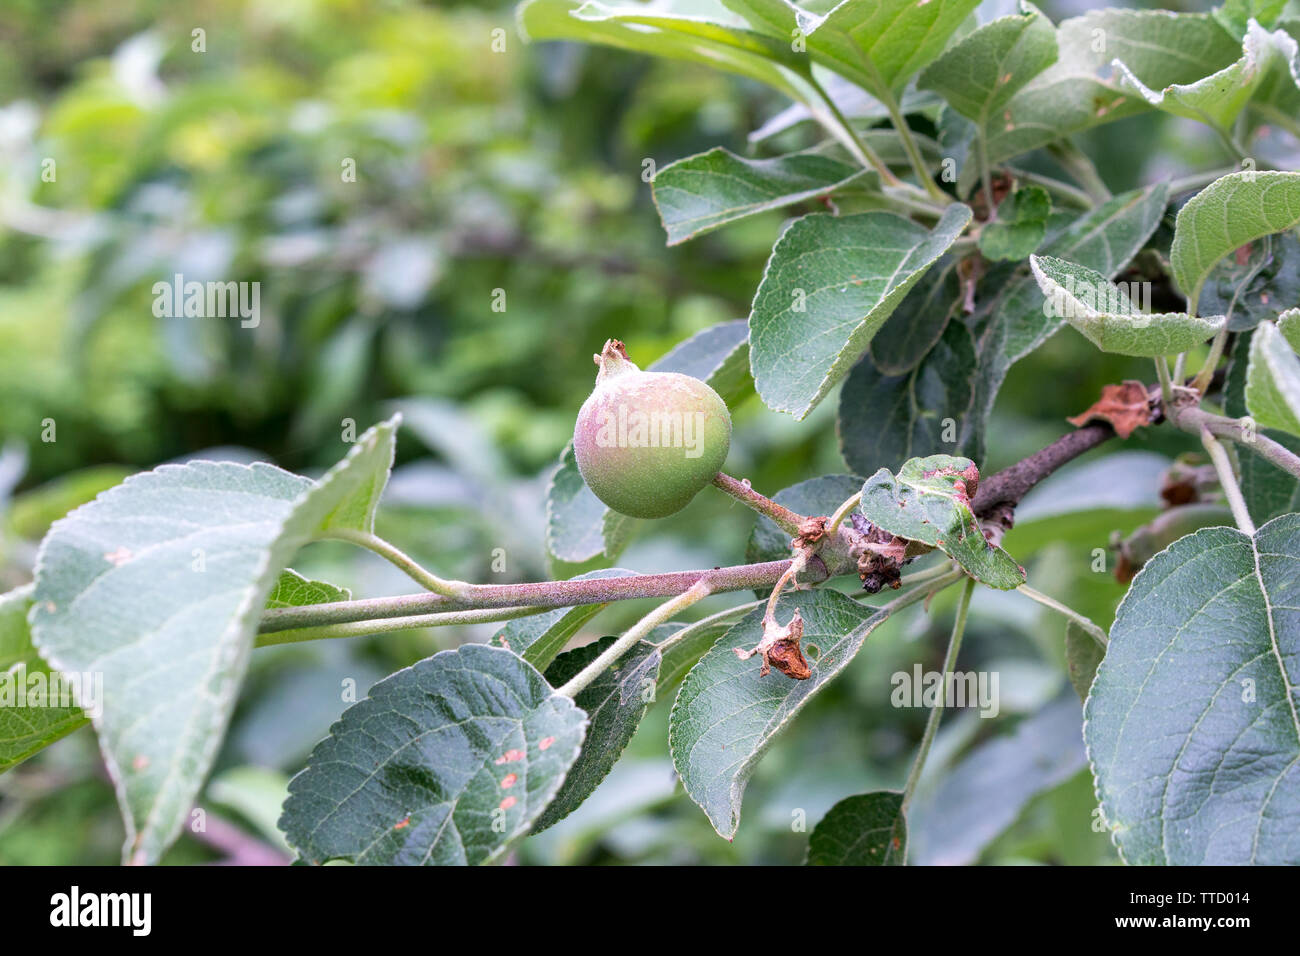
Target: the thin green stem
(1228, 479)
(1166, 383)
(910, 200)
(787, 520)
(797, 564)
(1094, 630)
(1063, 191)
(913, 150)
(943, 569)
(842, 512)
(664, 612)
(400, 559)
(1229, 141)
(986, 175)
(863, 153)
(1078, 165)
(1203, 377)
(709, 621)
(936, 713)
(387, 624)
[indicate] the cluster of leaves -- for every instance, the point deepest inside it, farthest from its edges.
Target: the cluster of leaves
(916, 303)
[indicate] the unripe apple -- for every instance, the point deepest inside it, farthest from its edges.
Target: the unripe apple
(646, 442)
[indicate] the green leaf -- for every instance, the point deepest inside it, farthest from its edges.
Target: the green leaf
(1217, 99)
(713, 34)
(1191, 724)
(1269, 490)
(293, 590)
(1277, 97)
(726, 715)
(1104, 314)
(985, 69)
(641, 29)
(1020, 226)
(1273, 380)
(26, 723)
(1235, 15)
(1014, 323)
(718, 355)
(917, 324)
(1082, 656)
(1248, 287)
(539, 637)
(886, 419)
(866, 830)
(929, 502)
(447, 762)
(578, 525)
(1081, 89)
(614, 703)
(881, 44)
(776, 18)
(852, 101)
(814, 496)
(681, 655)
(703, 192)
(158, 584)
(1227, 214)
(830, 284)
(985, 793)
(1288, 323)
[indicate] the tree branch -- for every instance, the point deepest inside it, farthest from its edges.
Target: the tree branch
(995, 503)
(1191, 419)
(787, 520)
(537, 595)
(999, 494)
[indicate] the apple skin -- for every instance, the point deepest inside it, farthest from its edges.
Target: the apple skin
(647, 442)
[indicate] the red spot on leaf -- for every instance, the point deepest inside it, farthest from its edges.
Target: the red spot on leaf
(545, 743)
(509, 781)
(509, 757)
(402, 823)
(507, 803)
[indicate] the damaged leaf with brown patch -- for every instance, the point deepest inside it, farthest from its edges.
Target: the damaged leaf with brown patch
(1126, 406)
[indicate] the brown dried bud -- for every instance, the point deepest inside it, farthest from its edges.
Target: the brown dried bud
(785, 654)
(780, 648)
(811, 530)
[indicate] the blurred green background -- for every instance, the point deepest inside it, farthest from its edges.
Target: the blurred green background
(481, 171)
